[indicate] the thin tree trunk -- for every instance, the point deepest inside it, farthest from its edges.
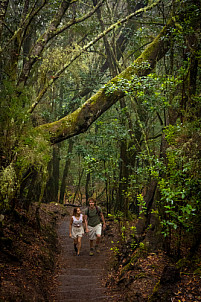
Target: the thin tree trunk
(66, 169)
(48, 194)
(56, 160)
(78, 186)
(87, 187)
(106, 188)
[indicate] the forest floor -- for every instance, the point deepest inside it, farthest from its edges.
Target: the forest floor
(41, 265)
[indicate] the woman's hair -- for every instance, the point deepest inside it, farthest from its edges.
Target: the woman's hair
(75, 211)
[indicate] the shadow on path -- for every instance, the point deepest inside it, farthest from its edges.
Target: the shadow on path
(81, 278)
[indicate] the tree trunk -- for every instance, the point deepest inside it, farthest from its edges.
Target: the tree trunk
(52, 185)
(123, 179)
(56, 160)
(48, 194)
(87, 187)
(65, 172)
(78, 186)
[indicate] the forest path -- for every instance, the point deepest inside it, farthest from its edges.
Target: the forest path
(81, 278)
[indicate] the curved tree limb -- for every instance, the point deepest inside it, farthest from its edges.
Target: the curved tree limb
(81, 119)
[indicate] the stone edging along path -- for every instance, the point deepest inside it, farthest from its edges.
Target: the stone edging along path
(81, 278)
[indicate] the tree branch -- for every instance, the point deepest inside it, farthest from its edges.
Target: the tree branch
(42, 41)
(79, 20)
(81, 119)
(101, 35)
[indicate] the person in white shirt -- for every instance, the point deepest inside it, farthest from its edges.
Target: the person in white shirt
(76, 229)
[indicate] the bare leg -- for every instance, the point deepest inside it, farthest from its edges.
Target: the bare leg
(78, 245)
(91, 244)
(91, 248)
(75, 244)
(97, 243)
(98, 239)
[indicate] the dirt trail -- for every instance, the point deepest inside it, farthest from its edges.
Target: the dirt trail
(81, 278)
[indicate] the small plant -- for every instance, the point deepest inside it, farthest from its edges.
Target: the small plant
(141, 246)
(141, 203)
(115, 249)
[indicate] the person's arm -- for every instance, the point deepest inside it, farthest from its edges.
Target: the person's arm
(103, 220)
(70, 227)
(86, 224)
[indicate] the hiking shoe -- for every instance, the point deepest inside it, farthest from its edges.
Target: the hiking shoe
(97, 249)
(91, 252)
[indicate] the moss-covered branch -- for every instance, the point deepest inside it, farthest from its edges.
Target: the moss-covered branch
(80, 120)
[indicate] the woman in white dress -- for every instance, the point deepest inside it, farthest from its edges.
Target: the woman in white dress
(76, 229)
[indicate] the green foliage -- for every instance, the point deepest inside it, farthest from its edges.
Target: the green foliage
(8, 186)
(21, 146)
(98, 152)
(141, 203)
(115, 248)
(180, 197)
(13, 115)
(33, 150)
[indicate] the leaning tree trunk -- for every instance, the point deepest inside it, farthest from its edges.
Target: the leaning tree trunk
(81, 119)
(144, 220)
